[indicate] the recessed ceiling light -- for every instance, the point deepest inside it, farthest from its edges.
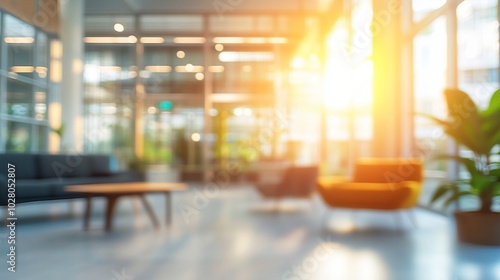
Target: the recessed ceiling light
(181, 54)
(119, 27)
(219, 47)
(196, 137)
(152, 40)
(19, 40)
(111, 40)
(189, 40)
(159, 68)
(199, 76)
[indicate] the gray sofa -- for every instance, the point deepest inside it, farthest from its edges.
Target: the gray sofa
(44, 177)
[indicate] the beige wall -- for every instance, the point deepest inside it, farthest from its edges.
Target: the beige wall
(45, 17)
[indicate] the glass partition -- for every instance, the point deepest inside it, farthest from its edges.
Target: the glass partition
(430, 63)
(24, 86)
(478, 62)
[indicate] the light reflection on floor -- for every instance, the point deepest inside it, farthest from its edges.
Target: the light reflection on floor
(228, 240)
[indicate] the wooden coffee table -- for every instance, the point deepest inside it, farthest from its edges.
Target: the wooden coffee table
(113, 191)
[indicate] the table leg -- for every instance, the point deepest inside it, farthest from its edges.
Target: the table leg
(150, 211)
(88, 211)
(110, 209)
(168, 207)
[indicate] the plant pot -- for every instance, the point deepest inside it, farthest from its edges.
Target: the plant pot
(478, 228)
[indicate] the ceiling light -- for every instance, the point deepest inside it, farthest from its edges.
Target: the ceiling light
(152, 40)
(219, 47)
(196, 137)
(255, 40)
(199, 76)
(189, 40)
(216, 68)
(159, 68)
(22, 69)
(238, 112)
(152, 110)
(110, 68)
(119, 27)
(110, 40)
(229, 40)
(250, 40)
(245, 56)
(181, 54)
(298, 63)
(19, 40)
(189, 68)
(41, 69)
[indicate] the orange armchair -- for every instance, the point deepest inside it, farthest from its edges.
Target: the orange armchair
(377, 184)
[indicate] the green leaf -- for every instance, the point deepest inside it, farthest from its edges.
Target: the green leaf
(455, 197)
(467, 162)
(483, 183)
(491, 127)
(441, 191)
(496, 189)
(495, 137)
(494, 106)
(467, 121)
(495, 173)
(434, 119)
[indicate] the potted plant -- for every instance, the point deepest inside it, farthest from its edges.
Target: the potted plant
(479, 131)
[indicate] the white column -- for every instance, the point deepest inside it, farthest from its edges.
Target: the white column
(72, 68)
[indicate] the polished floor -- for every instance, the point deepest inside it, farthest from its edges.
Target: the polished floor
(232, 234)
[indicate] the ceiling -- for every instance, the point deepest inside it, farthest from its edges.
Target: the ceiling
(203, 6)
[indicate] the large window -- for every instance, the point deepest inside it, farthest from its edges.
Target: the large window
(24, 86)
(348, 89)
(109, 99)
(478, 61)
(435, 62)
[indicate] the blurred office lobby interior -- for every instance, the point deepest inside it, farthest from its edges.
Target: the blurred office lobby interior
(223, 95)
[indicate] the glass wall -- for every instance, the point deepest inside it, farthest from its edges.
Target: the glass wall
(435, 61)
(255, 77)
(109, 100)
(478, 61)
(348, 88)
(24, 86)
(430, 71)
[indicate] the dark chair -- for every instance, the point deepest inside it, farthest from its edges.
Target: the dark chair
(296, 182)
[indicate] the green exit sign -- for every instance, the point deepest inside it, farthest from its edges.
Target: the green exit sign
(166, 105)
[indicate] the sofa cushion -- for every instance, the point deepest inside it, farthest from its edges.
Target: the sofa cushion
(63, 166)
(33, 188)
(26, 165)
(387, 170)
(102, 165)
(3, 189)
